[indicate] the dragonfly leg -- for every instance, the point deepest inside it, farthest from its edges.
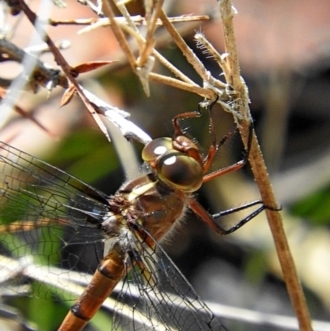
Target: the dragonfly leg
(245, 219)
(248, 217)
(178, 131)
(214, 146)
(236, 166)
(210, 219)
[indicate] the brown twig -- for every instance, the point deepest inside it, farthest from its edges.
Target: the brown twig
(137, 19)
(186, 51)
(261, 175)
(140, 40)
(208, 79)
(193, 88)
(64, 65)
(42, 75)
(150, 39)
(119, 34)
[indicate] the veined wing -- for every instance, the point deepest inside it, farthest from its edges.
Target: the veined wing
(44, 211)
(48, 214)
(157, 290)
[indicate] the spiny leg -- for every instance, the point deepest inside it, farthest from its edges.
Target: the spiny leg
(236, 166)
(245, 219)
(212, 151)
(210, 219)
(178, 131)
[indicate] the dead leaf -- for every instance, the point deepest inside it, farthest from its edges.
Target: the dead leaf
(89, 66)
(68, 95)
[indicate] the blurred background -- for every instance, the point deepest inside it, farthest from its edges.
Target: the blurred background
(283, 49)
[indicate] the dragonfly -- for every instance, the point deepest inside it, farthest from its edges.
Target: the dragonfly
(46, 213)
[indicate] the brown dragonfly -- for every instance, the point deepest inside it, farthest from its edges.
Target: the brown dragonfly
(46, 213)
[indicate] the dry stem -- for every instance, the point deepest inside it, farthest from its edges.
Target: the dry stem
(65, 66)
(261, 175)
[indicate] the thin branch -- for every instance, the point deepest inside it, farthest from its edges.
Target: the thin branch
(93, 23)
(119, 34)
(150, 39)
(64, 65)
(186, 51)
(202, 42)
(126, 16)
(172, 68)
(42, 75)
(204, 92)
(159, 57)
(261, 175)
(227, 12)
(208, 80)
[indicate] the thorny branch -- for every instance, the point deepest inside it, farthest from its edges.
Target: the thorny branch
(42, 74)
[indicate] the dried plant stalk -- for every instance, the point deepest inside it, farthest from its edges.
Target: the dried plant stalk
(261, 175)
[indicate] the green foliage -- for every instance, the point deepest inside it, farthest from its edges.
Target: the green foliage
(87, 155)
(315, 207)
(256, 267)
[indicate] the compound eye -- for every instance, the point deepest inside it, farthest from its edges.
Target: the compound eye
(180, 171)
(155, 148)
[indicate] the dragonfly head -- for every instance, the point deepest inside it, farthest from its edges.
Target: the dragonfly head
(177, 162)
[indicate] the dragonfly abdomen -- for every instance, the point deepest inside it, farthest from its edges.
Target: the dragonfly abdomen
(109, 272)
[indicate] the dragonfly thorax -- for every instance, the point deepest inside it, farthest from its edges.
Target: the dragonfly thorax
(146, 203)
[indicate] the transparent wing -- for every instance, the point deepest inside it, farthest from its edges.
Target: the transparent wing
(47, 215)
(159, 295)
